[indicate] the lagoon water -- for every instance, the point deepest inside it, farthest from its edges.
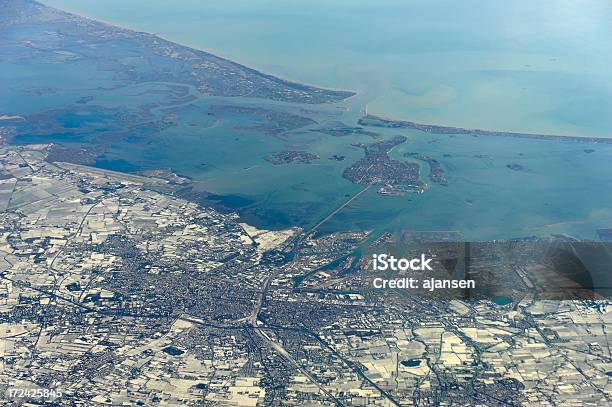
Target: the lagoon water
(518, 66)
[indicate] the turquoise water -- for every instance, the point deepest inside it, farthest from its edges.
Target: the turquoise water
(501, 300)
(505, 66)
(561, 188)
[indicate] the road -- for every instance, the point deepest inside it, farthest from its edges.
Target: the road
(338, 209)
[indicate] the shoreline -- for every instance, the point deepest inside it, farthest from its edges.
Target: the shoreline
(371, 120)
(211, 52)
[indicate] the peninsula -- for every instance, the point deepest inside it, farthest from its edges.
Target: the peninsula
(43, 32)
(377, 121)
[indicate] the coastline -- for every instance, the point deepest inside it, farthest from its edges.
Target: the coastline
(386, 122)
(211, 52)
